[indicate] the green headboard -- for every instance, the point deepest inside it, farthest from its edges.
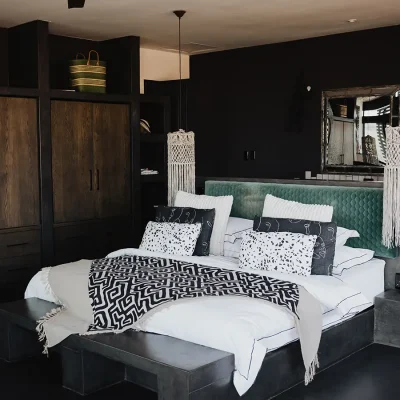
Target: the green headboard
(359, 208)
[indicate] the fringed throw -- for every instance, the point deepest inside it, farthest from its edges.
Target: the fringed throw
(145, 283)
(41, 330)
(113, 294)
(311, 371)
(181, 163)
(391, 197)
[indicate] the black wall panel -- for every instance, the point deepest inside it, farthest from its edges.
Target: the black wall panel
(256, 99)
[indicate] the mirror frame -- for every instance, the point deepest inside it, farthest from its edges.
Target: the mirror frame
(350, 92)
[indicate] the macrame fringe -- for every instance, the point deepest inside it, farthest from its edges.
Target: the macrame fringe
(311, 371)
(40, 327)
(181, 164)
(391, 208)
(391, 195)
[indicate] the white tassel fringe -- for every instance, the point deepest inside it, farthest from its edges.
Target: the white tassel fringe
(40, 327)
(311, 371)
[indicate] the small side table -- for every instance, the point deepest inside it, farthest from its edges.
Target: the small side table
(387, 318)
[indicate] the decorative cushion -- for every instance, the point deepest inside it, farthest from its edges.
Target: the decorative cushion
(276, 207)
(343, 235)
(324, 249)
(286, 252)
(235, 230)
(349, 257)
(170, 238)
(188, 215)
(222, 206)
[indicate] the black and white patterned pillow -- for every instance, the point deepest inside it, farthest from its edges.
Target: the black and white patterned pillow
(324, 249)
(188, 215)
(286, 252)
(170, 238)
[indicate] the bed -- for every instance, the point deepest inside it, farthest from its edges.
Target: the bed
(274, 354)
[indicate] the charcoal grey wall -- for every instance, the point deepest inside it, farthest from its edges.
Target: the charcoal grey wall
(256, 99)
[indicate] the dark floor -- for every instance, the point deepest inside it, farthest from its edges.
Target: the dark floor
(371, 374)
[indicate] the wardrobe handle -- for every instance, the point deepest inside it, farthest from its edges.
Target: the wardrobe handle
(98, 180)
(91, 179)
(17, 244)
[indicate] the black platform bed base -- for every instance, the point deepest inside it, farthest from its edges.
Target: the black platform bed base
(175, 369)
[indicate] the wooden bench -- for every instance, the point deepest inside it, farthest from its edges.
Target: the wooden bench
(175, 369)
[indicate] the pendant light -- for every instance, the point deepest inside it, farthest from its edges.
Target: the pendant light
(181, 154)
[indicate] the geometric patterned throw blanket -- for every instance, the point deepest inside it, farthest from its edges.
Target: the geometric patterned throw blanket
(123, 289)
(111, 294)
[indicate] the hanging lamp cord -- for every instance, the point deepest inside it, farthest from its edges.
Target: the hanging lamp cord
(180, 76)
(180, 14)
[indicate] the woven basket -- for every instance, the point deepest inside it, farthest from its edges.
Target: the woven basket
(87, 75)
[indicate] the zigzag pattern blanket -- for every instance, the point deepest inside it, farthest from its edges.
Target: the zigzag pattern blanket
(123, 289)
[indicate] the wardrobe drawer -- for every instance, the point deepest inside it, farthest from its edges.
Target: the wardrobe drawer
(90, 240)
(74, 235)
(19, 243)
(19, 269)
(115, 236)
(74, 242)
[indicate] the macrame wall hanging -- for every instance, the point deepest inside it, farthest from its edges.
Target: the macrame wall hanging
(181, 156)
(181, 163)
(391, 195)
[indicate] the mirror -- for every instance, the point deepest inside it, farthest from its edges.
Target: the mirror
(353, 127)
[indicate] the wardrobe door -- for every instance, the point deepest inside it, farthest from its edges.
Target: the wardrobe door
(112, 159)
(73, 171)
(19, 165)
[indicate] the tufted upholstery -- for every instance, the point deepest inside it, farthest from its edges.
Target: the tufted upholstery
(356, 208)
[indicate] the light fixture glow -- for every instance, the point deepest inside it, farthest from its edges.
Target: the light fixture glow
(352, 20)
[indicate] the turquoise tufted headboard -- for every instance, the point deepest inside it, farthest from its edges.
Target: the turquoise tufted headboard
(358, 208)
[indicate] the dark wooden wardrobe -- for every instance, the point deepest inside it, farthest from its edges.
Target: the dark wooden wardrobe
(91, 160)
(20, 250)
(69, 162)
(91, 178)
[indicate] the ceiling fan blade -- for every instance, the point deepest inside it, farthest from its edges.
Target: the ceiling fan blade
(76, 3)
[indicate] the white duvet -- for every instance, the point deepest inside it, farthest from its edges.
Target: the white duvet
(246, 327)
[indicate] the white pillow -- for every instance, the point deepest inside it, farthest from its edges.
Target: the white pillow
(222, 205)
(171, 238)
(275, 207)
(349, 257)
(286, 252)
(235, 230)
(343, 234)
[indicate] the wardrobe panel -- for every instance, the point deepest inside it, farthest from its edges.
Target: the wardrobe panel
(19, 242)
(73, 170)
(19, 166)
(92, 239)
(112, 150)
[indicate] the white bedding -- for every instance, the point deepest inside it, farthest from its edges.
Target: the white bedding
(246, 327)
